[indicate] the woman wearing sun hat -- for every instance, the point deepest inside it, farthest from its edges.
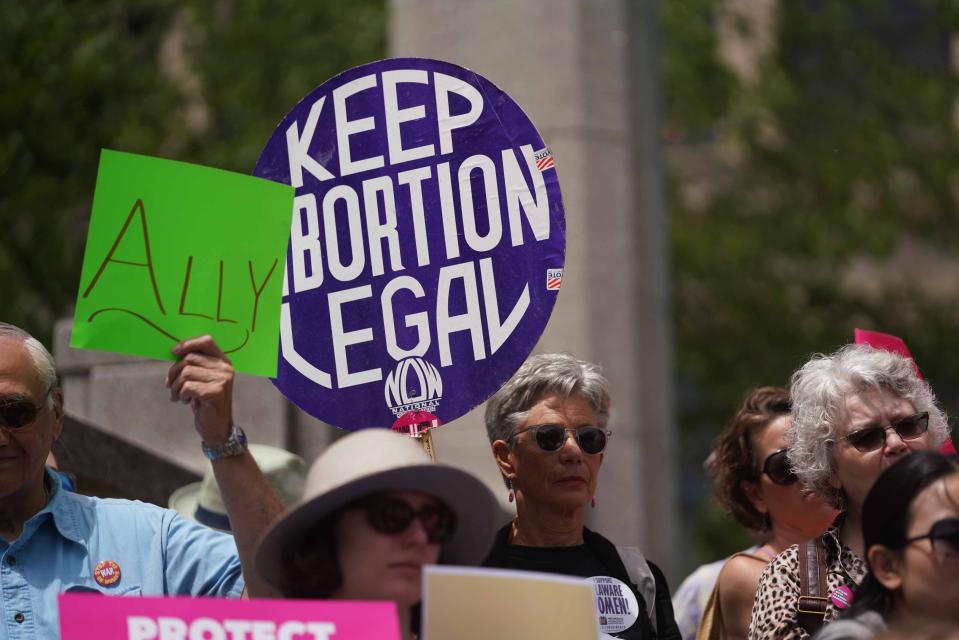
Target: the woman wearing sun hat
(375, 510)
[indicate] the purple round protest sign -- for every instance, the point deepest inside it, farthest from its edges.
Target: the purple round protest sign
(426, 244)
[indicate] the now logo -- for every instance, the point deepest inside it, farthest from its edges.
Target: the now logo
(413, 380)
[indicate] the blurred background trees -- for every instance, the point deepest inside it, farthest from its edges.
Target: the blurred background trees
(198, 81)
(812, 154)
(813, 184)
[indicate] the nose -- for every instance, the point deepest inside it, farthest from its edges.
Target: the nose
(416, 533)
(570, 450)
(894, 442)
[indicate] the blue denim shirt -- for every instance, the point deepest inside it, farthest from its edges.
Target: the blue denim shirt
(158, 553)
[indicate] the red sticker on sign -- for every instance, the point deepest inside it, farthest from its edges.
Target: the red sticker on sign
(107, 573)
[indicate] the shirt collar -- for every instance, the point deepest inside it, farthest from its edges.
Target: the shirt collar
(62, 509)
(852, 565)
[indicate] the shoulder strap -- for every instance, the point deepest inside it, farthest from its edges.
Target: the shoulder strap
(642, 576)
(812, 604)
(751, 556)
(711, 625)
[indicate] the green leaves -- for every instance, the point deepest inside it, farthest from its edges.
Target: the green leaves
(203, 82)
(830, 195)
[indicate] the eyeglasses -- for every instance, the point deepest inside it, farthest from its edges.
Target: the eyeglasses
(393, 515)
(552, 437)
(944, 536)
(776, 466)
(872, 438)
(19, 414)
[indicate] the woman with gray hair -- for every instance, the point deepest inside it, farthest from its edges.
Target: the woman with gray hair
(548, 430)
(855, 413)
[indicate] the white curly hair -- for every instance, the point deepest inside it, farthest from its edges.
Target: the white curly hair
(819, 392)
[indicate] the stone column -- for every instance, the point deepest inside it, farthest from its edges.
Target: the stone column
(570, 64)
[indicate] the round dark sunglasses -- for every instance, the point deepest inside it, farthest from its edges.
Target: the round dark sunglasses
(552, 437)
(944, 536)
(18, 414)
(394, 515)
(776, 466)
(872, 438)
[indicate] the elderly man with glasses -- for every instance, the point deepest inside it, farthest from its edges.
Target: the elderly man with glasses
(53, 541)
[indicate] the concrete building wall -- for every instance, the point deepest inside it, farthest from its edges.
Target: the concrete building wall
(126, 397)
(570, 65)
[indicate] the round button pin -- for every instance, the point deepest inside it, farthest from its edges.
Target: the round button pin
(107, 573)
(841, 597)
(616, 606)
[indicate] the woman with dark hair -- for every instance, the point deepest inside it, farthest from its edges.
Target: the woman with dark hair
(375, 510)
(910, 526)
(754, 483)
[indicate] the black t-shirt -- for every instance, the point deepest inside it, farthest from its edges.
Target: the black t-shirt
(586, 561)
(571, 561)
(579, 561)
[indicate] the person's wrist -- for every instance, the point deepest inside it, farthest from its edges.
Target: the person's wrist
(213, 428)
(234, 444)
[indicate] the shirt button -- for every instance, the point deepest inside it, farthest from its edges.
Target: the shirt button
(11, 560)
(19, 617)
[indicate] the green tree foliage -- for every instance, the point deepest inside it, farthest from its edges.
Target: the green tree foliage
(199, 81)
(835, 177)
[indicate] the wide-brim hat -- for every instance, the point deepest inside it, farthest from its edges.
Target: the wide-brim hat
(375, 461)
(201, 501)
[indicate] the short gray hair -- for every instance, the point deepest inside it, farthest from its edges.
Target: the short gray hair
(819, 392)
(545, 374)
(43, 362)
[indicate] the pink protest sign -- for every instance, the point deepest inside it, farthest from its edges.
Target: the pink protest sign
(886, 342)
(895, 344)
(85, 617)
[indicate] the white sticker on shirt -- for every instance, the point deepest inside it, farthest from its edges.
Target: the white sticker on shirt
(616, 605)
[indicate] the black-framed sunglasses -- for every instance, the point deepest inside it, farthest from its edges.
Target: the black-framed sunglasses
(776, 466)
(552, 437)
(872, 438)
(18, 414)
(394, 515)
(944, 536)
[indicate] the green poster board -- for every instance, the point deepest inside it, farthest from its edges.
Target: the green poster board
(176, 250)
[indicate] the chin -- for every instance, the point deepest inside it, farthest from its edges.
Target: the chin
(570, 502)
(404, 595)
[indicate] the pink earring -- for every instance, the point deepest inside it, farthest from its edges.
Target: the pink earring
(511, 496)
(592, 502)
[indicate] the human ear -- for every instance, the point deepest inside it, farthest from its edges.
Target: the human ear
(57, 409)
(886, 566)
(755, 495)
(501, 453)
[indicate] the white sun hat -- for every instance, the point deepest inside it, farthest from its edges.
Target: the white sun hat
(201, 501)
(375, 461)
